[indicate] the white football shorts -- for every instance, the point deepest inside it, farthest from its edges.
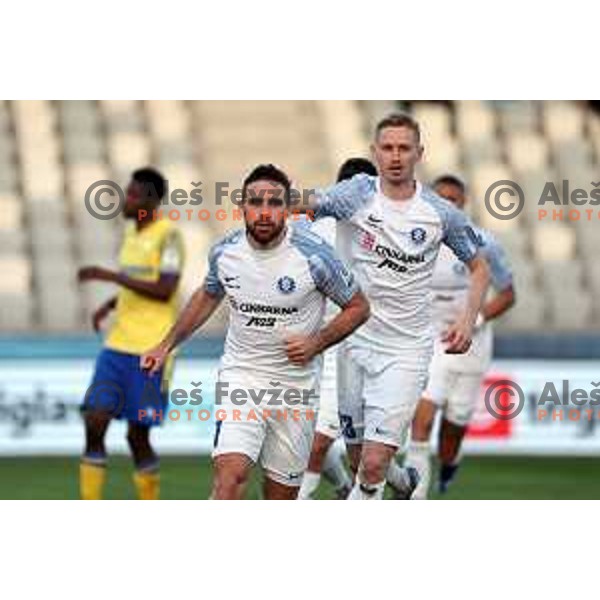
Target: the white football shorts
(276, 437)
(328, 420)
(378, 395)
(455, 384)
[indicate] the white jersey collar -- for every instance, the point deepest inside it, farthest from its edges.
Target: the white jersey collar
(402, 203)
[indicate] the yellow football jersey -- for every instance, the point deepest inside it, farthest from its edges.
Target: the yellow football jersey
(141, 323)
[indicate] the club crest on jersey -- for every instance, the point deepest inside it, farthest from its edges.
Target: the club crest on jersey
(418, 235)
(286, 285)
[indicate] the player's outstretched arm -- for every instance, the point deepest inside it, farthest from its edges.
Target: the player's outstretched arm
(459, 335)
(340, 200)
(302, 349)
(198, 310)
(161, 290)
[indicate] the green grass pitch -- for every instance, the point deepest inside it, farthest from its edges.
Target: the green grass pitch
(188, 478)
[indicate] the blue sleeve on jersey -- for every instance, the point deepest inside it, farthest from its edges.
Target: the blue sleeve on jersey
(331, 276)
(459, 234)
(212, 283)
(302, 222)
(343, 199)
(500, 271)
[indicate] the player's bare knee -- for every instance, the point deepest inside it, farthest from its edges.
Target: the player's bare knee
(230, 479)
(132, 438)
(95, 430)
(95, 421)
(373, 467)
(229, 485)
(137, 440)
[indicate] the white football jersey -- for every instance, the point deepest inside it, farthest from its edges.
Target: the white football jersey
(451, 283)
(272, 294)
(328, 422)
(392, 246)
(324, 228)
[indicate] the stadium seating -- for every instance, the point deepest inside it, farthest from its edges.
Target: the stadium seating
(52, 151)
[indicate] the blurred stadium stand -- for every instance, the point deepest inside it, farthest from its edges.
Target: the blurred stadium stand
(52, 151)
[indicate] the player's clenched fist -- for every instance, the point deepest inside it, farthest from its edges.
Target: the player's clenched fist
(300, 349)
(458, 338)
(153, 361)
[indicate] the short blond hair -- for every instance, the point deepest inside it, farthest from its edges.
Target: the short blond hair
(399, 119)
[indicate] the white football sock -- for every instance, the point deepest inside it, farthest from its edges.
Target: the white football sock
(418, 456)
(310, 483)
(397, 477)
(334, 468)
(367, 491)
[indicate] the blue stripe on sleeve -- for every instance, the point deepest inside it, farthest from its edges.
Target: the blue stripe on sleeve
(331, 276)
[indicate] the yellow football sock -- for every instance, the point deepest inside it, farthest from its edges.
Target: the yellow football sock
(91, 480)
(147, 484)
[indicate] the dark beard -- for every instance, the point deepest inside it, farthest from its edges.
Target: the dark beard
(263, 240)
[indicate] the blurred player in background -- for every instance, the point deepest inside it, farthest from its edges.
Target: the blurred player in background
(276, 280)
(455, 380)
(327, 457)
(390, 230)
(150, 266)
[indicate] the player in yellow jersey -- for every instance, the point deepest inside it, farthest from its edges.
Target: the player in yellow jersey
(150, 266)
